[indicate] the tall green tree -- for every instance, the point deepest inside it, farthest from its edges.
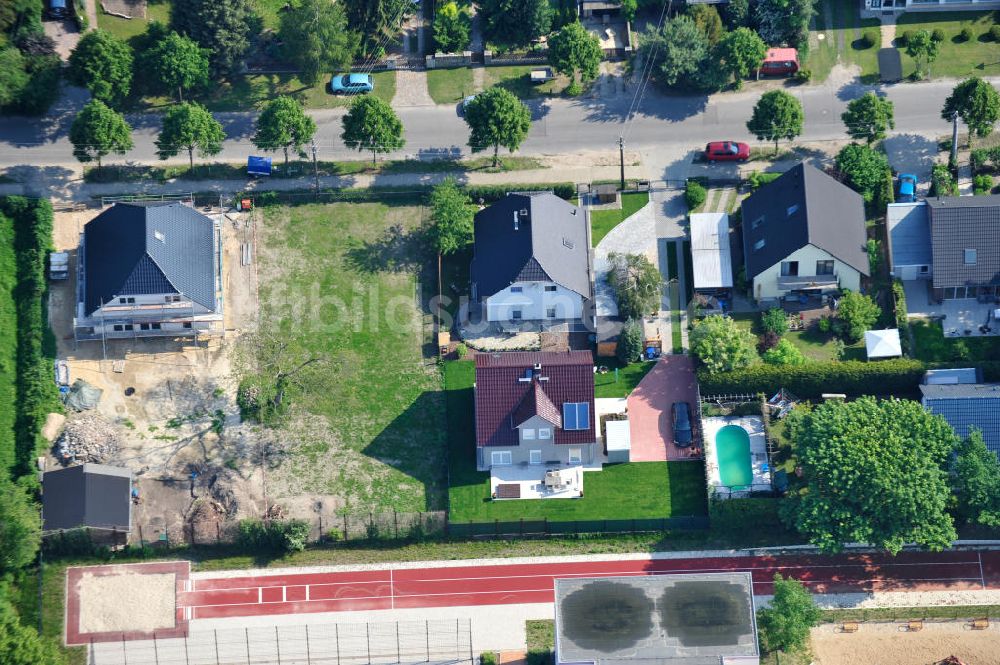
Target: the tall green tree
(223, 27)
(874, 473)
(102, 63)
(923, 48)
(628, 349)
(680, 49)
(453, 215)
(707, 18)
(742, 53)
(777, 115)
(721, 345)
(864, 167)
(99, 130)
(371, 124)
(514, 23)
(976, 481)
(637, 284)
(18, 16)
(977, 103)
(784, 21)
(785, 623)
(497, 118)
(377, 21)
(283, 125)
(315, 38)
(20, 527)
(13, 77)
(856, 313)
(188, 127)
(736, 14)
(452, 28)
(573, 50)
(868, 118)
(20, 644)
(177, 64)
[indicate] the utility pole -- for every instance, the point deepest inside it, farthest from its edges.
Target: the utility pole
(315, 166)
(954, 137)
(621, 159)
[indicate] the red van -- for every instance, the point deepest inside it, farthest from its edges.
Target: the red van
(780, 62)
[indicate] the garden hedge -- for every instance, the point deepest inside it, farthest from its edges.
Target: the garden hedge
(8, 345)
(853, 378)
(409, 196)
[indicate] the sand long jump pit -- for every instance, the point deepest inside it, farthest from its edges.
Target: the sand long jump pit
(132, 601)
(894, 644)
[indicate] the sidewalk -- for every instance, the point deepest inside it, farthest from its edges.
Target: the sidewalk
(62, 189)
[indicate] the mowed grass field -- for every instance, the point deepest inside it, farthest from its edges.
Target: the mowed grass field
(342, 280)
(979, 56)
(618, 492)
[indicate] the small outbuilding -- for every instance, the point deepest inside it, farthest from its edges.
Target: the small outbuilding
(94, 496)
(710, 254)
(617, 440)
(883, 344)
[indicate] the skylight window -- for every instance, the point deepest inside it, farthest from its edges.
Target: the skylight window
(576, 415)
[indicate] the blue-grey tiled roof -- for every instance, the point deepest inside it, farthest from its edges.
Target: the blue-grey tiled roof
(965, 406)
(149, 248)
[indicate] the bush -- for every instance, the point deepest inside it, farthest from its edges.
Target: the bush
(868, 39)
(574, 89)
(824, 325)
(978, 158)
(694, 194)
(784, 353)
(461, 350)
(994, 33)
(488, 658)
(272, 537)
(904, 39)
(938, 35)
(982, 184)
(942, 182)
(493, 193)
(853, 378)
(758, 180)
(803, 76)
(902, 323)
(856, 313)
(721, 345)
(774, 320)
(629, 347)
(966, 34)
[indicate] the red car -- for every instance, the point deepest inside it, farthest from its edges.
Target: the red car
(727, 151)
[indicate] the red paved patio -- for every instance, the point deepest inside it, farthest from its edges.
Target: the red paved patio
(671, 380)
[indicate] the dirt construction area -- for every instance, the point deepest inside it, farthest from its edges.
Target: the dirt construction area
(170, 402)
(896, 644)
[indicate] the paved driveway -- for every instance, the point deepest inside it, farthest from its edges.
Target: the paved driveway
(671, 380)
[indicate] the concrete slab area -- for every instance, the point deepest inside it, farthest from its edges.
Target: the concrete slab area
(671, 380)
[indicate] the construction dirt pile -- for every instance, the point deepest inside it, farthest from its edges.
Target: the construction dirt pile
(89, 437)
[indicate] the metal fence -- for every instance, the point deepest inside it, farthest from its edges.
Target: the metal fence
(544, 527)
(938, 614)
(404, 642)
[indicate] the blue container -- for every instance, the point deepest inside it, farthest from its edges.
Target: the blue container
(258, 165)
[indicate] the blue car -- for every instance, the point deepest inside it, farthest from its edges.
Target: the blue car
(907, 188)
(351, 84)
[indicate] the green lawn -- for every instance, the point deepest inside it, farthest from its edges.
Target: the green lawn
(932, 346)
(620, 379)
(247, 92)
(124, 28)
(813, 344)
(515, 78)
(841, 41)
(977, 57)
(602, 221)
(340, 280)
(447, 86)
(619, 491)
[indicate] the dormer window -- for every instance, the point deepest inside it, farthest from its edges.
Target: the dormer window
(969, 257)
(792, 209)
(759, 245)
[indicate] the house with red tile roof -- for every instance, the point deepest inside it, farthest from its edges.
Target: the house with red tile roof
(535, 409)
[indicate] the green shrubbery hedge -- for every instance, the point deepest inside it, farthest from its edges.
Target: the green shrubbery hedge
(272, 537)
(37, 394)
(887, 377)
(8, 345)
(411, 195)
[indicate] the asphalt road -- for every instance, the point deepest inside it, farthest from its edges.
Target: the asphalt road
(667, 130)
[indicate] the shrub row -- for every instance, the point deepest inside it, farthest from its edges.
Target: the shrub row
(902, 323)
(853, 378)
(8, 345)
(758, 179)
(409, 196)
(37, 394)
(272, 537)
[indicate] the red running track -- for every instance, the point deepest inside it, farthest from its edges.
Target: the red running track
(257, 595)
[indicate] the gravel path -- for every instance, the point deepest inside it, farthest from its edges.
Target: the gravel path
(635, 235)
(411, 89)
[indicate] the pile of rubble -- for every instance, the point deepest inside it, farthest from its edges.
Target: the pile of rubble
(88, 437)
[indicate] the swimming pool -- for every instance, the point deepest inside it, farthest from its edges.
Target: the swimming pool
(732, 445)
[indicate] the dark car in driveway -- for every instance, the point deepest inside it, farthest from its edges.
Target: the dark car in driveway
(681, 416)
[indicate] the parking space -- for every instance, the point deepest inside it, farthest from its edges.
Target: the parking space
(651, 428)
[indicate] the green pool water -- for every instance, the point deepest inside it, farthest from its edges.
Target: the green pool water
(732, 447)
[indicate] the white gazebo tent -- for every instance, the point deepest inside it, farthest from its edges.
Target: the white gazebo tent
(882, 344)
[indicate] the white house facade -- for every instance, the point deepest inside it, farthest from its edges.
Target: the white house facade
(807, 268)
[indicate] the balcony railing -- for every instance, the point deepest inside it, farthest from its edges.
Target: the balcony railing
(790, 282)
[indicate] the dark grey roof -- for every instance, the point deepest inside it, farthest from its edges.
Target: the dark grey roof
(965, 222)
(92, 495)
(149, 248)
(824, 213)
(965, 406)
(909, 234)
(951, 376)
(552, 243)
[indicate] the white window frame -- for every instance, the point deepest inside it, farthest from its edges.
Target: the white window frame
(575, 455)
(501, 458)
(544, 433)
(534, 456)
(517, 289)
(528, 434)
